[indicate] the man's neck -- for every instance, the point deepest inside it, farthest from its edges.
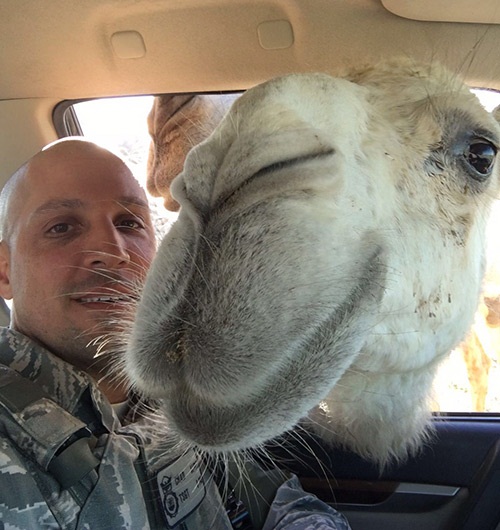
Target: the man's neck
(115, 392)
(110, 383)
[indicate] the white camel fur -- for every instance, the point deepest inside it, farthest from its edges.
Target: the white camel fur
(328, 254)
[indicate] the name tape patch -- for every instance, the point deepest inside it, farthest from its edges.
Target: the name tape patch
(181, 487)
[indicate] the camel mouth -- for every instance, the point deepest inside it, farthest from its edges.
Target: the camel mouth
(206, 405)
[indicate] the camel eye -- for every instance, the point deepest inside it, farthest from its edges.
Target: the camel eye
(480, 156)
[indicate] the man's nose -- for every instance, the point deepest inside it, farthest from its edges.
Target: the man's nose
(106, 249)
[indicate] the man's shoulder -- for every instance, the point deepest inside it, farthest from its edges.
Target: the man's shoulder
(18, 354)
(61, 381)
(21, 354)
(14, 346)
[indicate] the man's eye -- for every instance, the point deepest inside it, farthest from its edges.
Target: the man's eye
(131, 223)
(60, 228)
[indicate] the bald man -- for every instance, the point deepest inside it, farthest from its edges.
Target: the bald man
(76, 242)
(76, 237)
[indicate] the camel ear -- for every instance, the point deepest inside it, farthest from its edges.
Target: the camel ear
(5, 286)
(176, 124)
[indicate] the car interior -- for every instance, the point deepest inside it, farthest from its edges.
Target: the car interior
(58, 54)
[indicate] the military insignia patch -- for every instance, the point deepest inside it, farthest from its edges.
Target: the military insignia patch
(181, 487)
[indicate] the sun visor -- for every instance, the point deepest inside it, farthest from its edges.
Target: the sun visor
(467, 11)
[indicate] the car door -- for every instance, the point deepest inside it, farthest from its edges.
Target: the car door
(453, 483)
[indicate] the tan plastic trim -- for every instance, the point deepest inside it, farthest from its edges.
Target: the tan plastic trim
(467, 11)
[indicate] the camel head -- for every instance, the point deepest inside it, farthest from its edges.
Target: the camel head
(328, 254)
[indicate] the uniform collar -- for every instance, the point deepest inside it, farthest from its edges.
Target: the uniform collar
(64, 383)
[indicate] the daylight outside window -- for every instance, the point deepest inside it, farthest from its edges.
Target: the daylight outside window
(468, 381)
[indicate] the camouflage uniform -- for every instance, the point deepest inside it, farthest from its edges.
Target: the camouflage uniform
(67, 462)
(120, 492)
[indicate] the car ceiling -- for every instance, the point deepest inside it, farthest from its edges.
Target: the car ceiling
(70, 49)
(57, 50)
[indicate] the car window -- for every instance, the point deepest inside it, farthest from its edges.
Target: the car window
(119, 124)
(468, 381)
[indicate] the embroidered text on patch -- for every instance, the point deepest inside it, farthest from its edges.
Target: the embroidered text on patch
(181, 487)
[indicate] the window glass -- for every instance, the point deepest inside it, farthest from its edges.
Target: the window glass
(120, 125)
(469, 381)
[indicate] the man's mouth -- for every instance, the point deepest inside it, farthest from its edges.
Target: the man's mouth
(103, 300)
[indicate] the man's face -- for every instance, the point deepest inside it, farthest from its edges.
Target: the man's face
(81, 237)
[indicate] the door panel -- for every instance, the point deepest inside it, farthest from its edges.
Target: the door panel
(453, 484)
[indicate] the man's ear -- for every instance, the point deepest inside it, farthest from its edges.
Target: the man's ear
(5, 287)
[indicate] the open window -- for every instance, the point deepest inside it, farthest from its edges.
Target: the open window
(454, 482)
(469, 381)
